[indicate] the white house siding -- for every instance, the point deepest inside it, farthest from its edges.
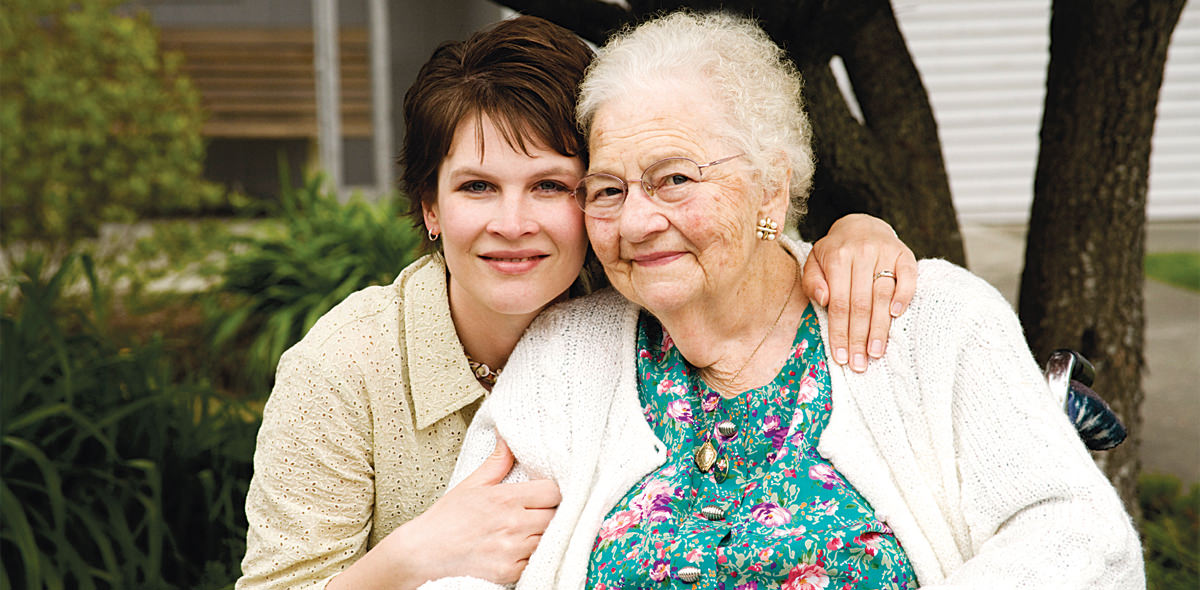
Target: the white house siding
(984, 66)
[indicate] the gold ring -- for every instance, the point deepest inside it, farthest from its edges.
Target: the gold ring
(884, 273)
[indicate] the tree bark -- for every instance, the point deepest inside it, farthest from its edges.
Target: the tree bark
(1082, 283)
(890, 164)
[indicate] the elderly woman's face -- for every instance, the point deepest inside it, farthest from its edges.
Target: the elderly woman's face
(667, 255)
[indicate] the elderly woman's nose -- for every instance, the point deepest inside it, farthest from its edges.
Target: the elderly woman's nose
(512, 218)
(640, 214)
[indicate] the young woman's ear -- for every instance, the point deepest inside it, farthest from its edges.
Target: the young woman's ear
(432, 227)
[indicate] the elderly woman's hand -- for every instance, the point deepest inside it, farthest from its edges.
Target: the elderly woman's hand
(841, 274)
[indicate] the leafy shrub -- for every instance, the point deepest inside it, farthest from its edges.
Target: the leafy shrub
(278, 285)
(114, 475)
(1171, 531)
(98, 125)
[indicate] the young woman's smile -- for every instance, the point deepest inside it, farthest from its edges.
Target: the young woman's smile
(511, 232)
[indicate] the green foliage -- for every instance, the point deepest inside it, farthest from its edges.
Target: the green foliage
(97, 124)
(115, 472)
(1181, 269)
(1171, 531)
(278, 285)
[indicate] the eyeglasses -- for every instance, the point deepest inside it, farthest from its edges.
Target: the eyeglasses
(670, 180)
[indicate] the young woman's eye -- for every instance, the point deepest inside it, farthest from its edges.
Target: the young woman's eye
(552, 186)
(475, 186)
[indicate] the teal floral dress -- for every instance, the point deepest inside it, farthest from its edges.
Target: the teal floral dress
(768, 512)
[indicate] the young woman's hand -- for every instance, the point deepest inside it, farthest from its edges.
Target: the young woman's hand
(842, 274)
(481, 528)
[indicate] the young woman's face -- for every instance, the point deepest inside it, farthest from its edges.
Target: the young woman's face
(511, 231)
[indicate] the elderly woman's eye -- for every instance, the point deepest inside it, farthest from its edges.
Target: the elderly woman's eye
(607, 193)
(676, 180)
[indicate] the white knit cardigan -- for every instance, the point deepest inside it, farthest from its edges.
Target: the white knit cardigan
(953, 437)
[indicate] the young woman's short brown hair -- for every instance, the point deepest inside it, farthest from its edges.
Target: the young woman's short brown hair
(522, 73)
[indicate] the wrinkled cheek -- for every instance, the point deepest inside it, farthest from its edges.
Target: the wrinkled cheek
(604, 239)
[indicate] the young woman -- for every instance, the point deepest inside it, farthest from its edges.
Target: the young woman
(369, 410)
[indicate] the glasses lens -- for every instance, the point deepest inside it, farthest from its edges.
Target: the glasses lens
(672, 178)
(600, 194)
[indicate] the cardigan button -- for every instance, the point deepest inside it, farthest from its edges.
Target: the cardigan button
(726, 429)
(689, 574)
(712, 512)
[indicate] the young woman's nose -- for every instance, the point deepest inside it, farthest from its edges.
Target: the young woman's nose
(513, 217)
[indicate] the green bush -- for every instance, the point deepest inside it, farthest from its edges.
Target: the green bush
(1171, 531)
(115, 473)
(278, 285)
(97, 124)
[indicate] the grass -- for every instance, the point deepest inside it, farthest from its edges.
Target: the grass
(1180, 269)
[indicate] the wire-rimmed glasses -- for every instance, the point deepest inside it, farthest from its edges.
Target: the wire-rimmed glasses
(670, 180)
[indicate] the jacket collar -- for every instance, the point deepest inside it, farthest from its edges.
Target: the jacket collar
(439, 378)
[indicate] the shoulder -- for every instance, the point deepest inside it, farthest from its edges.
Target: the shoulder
(597, 315)
(952, 293)
(373, 315)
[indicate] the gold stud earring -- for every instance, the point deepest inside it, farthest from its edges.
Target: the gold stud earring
(766, 229)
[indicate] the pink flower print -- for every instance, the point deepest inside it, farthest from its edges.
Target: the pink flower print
(659, 571)
(680, 410)
(807, 576)
(828, 507)
(653, 503)
(710, 402)
(751, 585)
(870, 542)
(694, 555)
(616, 525)
(824, 474)
(808, 389)
(665, 385)
(800, 348)
(644, 354)
(765, 553)
(770, 514)
(834, 544)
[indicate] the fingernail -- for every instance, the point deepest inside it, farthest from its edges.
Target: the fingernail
(820, 296)
(876, 348)
(860, 362)
(840, 356)
(897, 309)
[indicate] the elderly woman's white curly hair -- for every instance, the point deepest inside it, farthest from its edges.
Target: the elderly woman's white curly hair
(749, 73)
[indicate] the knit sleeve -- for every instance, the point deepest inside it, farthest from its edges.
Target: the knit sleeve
(310, 500)
(1039, 512)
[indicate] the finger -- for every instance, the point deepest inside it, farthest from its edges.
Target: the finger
(539, 493)
(860, 308)
(881, 320)
(538, 519)
(906, 283)
(838, 277)
(494, 468)
(812, 282)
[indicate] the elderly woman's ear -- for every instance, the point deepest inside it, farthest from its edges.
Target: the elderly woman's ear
(777, 190)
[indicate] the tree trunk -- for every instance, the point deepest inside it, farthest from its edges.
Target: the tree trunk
(1082, 283)
(889, 165)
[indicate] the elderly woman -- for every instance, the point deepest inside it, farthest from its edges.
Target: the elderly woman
(725, 451)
